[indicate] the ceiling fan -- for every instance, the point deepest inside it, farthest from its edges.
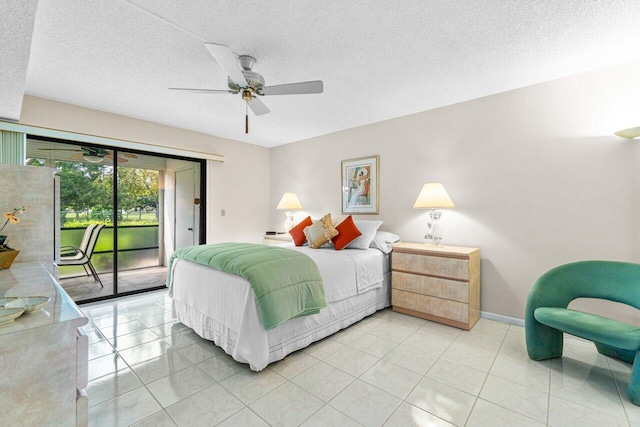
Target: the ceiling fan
(94, 155)
(249, 83)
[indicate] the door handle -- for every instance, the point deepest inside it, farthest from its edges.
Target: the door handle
(190, 229)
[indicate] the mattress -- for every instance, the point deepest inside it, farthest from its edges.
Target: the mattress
(221, 307)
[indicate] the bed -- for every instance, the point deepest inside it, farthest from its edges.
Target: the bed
(221, 307)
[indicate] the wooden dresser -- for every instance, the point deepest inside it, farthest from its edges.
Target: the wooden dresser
(43, 355)
(436, 283)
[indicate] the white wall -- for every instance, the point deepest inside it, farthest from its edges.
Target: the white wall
(536, 175)
(240, 185)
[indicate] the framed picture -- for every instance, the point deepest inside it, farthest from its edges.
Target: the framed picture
(360, 185)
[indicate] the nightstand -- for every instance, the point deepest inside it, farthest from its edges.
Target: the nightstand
(436, 283)
(277, 239)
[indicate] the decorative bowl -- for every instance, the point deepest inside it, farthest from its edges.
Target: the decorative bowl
(30, 304)
(9, 314)
(6, 300)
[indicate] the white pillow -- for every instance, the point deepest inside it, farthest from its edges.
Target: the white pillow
(368, 230)
(383, 241)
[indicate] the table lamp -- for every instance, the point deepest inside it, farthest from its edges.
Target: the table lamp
(289, 203)
(432, 196)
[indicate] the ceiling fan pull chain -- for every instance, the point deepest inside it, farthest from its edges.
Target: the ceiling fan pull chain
(246, 117)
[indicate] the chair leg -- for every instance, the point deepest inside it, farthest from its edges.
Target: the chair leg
(543, 342)
(85, 269)
(625, 355)
(633, 391)
(95, 274)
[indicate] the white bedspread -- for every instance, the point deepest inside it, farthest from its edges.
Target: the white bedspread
(347, 273)
(221, 307)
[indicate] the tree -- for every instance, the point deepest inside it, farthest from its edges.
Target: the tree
(89, 187)
(85, 186)
(137, 189)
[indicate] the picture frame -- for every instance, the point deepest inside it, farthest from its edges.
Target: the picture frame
(360, 189)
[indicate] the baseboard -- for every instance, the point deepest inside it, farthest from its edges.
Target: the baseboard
(501, 318)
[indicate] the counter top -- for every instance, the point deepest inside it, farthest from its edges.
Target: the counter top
(33, 279)
(427, 248)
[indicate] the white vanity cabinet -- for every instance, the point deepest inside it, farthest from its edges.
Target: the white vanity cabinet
(43, 355)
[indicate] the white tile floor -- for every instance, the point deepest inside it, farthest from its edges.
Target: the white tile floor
(146, 369)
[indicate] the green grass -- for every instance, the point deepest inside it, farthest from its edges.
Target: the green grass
(134, 218)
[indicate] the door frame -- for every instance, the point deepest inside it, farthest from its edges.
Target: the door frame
(175, 208)
(203, 198)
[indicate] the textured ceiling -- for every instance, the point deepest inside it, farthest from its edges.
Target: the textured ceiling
(378, 59)
(16, 26)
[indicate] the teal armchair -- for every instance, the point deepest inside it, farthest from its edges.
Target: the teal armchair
(547, 316)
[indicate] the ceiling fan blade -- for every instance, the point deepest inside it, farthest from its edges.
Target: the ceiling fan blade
(214, 91)
(228, 62)
(301, 88)
(258, 107)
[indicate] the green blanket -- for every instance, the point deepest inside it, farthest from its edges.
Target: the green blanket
(286, 283)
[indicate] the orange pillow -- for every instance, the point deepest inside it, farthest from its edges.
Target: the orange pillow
(297, 232)
(348, 232)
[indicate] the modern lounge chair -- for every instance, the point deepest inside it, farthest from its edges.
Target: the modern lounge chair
(547, 316)
(70, 255)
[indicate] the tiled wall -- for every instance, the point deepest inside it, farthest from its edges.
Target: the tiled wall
(33, 188)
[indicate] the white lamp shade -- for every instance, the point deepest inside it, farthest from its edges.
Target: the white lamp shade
(289, 202)
(433, 195)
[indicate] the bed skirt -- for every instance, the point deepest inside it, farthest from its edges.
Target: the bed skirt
(242, 335)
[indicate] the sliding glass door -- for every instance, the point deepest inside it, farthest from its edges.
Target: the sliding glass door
(139, 207)
(140, 222)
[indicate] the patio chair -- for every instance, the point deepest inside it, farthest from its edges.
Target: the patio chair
(70, 255)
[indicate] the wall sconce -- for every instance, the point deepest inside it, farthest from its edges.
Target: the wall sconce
(288, 203)
(432, 196)
(631, 133)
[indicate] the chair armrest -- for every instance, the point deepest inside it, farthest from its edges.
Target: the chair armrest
(68, 250)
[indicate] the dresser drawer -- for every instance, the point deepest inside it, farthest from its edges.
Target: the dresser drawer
(432, 265)
(432, 286)
(442, 308)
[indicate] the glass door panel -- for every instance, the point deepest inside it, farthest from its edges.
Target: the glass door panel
(86, 176)
(140, 222)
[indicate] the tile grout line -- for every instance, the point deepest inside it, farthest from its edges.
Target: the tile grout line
(130, 366)
(158, 303)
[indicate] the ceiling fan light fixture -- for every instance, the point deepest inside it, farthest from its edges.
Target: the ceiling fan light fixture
(93, 159)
